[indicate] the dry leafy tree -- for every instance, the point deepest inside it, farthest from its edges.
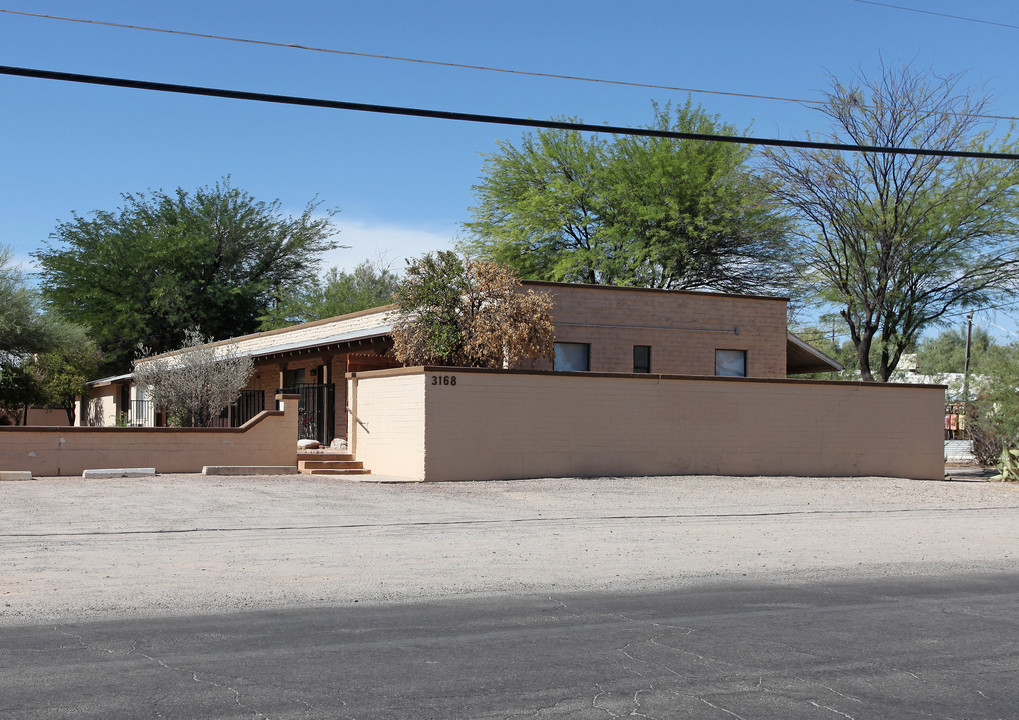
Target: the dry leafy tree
(194, 384)
(895, 241)
(468, 313)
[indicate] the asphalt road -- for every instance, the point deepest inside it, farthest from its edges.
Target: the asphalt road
(705, 597)
(883, 649)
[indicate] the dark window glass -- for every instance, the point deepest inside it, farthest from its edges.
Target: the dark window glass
(642, 358)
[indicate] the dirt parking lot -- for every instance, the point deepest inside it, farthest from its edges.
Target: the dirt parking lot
(75, 549)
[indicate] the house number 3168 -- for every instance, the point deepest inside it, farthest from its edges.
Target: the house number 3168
(443, 379)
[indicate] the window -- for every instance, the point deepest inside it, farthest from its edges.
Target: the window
(731, 363)
(572, 357)
(642, 358)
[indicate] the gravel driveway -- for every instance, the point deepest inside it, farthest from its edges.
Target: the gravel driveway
(75, 549)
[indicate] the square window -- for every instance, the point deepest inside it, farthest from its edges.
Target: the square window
(642, 358)
(731, 363)
(572, 357)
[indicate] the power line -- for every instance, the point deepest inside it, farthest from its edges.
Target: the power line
(1010, 304)
(938, 14)
(985, 321)
(490, 119)
(463, 66)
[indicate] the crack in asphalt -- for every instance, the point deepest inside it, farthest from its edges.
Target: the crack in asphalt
(194, 675)
(512, 521)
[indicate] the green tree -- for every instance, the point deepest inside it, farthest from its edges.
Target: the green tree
(469, 314)
(24, 326)
(946, 352)
(164, 262)
(62, 373)
(993, 420)
(897, 241)
(27, 332)
(636, 211)
(338, 293)
(19, 390)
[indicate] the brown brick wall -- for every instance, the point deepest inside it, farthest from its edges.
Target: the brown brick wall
(683, 329)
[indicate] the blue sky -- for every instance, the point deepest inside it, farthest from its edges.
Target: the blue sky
(403, 185)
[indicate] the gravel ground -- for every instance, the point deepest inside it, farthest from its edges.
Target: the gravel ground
(75, 549)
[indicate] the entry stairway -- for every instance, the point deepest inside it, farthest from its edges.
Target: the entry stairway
(319, 462)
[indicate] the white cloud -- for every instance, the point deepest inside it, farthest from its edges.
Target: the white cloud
(385, 243)
(24, 262)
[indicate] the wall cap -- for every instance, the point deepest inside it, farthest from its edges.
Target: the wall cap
(105, 428)
(426, 369)
(624, 288)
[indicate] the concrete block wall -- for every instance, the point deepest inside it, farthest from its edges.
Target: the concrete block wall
(268, 439)
(499, 425)
(391, 407)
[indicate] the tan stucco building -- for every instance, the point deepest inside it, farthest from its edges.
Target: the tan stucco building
(644, 382)
(600, 329)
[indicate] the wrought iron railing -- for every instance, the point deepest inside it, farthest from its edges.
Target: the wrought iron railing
(247, 405)
(316, 410)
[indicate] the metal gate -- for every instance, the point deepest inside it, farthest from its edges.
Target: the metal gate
(315, 411)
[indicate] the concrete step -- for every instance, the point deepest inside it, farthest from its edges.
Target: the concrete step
(959, 452)
(325, 462)
(330, 465)
(336, 471)
(323, 455)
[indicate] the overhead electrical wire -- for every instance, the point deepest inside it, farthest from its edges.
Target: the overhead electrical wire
(463, 66)
(478, 118)
(960, 313)
(985, 321)
(938, 14)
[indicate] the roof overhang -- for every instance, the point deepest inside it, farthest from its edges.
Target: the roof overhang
(341, 341)
(802, 358)
(112, 380)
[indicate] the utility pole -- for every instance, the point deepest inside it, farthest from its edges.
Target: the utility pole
(965, 369)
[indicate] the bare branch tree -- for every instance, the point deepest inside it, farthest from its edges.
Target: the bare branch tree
(896, 241)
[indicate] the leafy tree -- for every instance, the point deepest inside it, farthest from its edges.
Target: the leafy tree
(469, 314)
(338, 293)
(637, 211)
(24, 327)
(896, 241)
(62, 373)
(29, 336)
(993, 420)
(946, 352)
(19, 390)
(164, 262)
(195, 383)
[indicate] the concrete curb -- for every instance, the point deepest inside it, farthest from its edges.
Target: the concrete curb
(249, 470)
(15, 475)
(118, 472)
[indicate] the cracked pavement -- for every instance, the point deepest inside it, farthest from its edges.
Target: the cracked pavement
(192, 597)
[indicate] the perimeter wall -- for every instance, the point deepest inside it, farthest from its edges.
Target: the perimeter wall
(468, 424)
(269, 438)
